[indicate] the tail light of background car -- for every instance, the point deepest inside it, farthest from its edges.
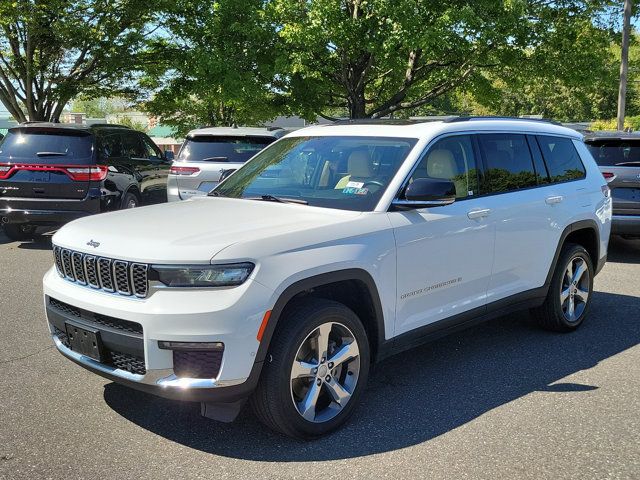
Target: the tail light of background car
(608, 176)
(78, 173)
(184, 170)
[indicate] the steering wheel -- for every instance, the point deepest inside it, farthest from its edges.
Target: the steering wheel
(373, 182)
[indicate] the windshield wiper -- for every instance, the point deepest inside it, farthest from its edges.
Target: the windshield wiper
(51, 154)
(635, 162)
(273, 198)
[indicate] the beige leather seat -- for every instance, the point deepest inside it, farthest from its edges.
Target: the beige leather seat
(441, 164)
(359, 166)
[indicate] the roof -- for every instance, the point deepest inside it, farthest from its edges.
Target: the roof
(68, 126)
(431, 129)
(237, 132)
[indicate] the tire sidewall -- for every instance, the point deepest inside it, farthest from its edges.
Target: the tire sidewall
(128, 197)
(298, 334)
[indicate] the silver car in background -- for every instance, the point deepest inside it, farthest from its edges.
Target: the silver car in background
(209, 153)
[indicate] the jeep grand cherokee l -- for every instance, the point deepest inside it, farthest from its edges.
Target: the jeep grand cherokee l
(340, 246)
(212, 153)
(618, 156)
(51, 173)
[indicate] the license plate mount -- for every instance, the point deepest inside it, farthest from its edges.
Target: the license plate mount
(85, 341)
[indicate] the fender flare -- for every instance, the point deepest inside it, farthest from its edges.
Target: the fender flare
(315, 281)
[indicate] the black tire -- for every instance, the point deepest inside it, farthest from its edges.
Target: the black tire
(551, 315)
(130, 200)
(20, 231)
(273, 401)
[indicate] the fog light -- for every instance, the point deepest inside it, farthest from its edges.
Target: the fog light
(199, 346)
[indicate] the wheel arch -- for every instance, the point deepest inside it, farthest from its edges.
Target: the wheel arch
(353, 287)
(585, 233)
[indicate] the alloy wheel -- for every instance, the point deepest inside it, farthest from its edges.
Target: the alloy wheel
(325, 372)
(574, 292)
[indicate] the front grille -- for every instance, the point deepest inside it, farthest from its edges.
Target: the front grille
(109, 275)
(123, 361)
(97, 319)
(198, 364)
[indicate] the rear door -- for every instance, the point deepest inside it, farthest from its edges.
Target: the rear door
(207, 157)
(40, 162)
(619, 161)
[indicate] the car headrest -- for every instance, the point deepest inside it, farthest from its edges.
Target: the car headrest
(359, 164)
(441, 164)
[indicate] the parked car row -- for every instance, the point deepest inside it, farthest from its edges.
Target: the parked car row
(52, 173)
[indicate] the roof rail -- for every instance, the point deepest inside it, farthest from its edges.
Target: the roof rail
(489, 117)
(377, 121)
(108, 125)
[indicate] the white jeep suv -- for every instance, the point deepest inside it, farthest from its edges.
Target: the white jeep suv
(333, 248)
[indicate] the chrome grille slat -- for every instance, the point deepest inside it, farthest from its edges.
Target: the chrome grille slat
(121, 280)
(78, 268)
(111, 275)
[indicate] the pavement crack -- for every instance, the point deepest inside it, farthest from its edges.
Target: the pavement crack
(2, 362)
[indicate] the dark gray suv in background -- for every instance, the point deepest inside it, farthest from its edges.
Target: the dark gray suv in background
(618, 156)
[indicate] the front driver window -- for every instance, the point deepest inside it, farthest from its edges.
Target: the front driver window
(451, 158)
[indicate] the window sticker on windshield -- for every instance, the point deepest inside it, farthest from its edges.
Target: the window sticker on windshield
(355, 185)
(355, 191)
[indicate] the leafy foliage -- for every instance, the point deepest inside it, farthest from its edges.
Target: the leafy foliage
(379, 57)
(54, 50)
(217, 65)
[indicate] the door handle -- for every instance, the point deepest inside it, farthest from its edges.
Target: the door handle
(553, 200)
(473, 214)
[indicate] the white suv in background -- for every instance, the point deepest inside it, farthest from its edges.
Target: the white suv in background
(210, 154)
(331, 249)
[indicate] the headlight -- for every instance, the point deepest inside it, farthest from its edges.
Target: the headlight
(203, 275)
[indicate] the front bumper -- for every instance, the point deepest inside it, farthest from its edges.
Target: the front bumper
(625, 224)
(170, 315)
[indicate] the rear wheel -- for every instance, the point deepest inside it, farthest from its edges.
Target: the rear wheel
(130, 200)
(315, 372)
(20, 231)
(570, 292)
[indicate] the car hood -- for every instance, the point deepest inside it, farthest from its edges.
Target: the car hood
(192, 231)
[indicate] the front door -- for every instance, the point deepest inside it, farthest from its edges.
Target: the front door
(444, 254)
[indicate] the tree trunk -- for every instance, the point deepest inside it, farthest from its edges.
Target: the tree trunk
(624, 63)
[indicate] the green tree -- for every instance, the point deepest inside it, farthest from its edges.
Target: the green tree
(54, 50)
(219, 65)
(99, 107)
(379, 57)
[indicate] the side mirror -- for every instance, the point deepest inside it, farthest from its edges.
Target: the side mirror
(169, 156)
(427, 192)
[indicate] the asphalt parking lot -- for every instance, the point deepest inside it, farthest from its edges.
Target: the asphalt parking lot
(502, 400)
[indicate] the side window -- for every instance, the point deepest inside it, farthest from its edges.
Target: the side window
(131, 146)
(562, 159)
(151, 150)
(451, 158)
(110, 146)
(508, 162)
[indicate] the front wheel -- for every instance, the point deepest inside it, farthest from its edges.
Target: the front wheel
(315, 372)
(570, 292)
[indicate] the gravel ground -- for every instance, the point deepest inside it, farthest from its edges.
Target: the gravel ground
(502, 400)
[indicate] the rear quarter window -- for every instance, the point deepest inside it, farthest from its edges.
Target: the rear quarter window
(562, 159)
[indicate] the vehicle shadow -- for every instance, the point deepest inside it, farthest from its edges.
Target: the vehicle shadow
(622, 250)
(418, 395)
(40, 242)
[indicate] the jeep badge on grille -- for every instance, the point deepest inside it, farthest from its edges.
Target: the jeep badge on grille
(93, 243)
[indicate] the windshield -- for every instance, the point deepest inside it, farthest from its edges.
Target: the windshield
(222, 149)
(609, 153)
(55, 147)
(348, 173)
